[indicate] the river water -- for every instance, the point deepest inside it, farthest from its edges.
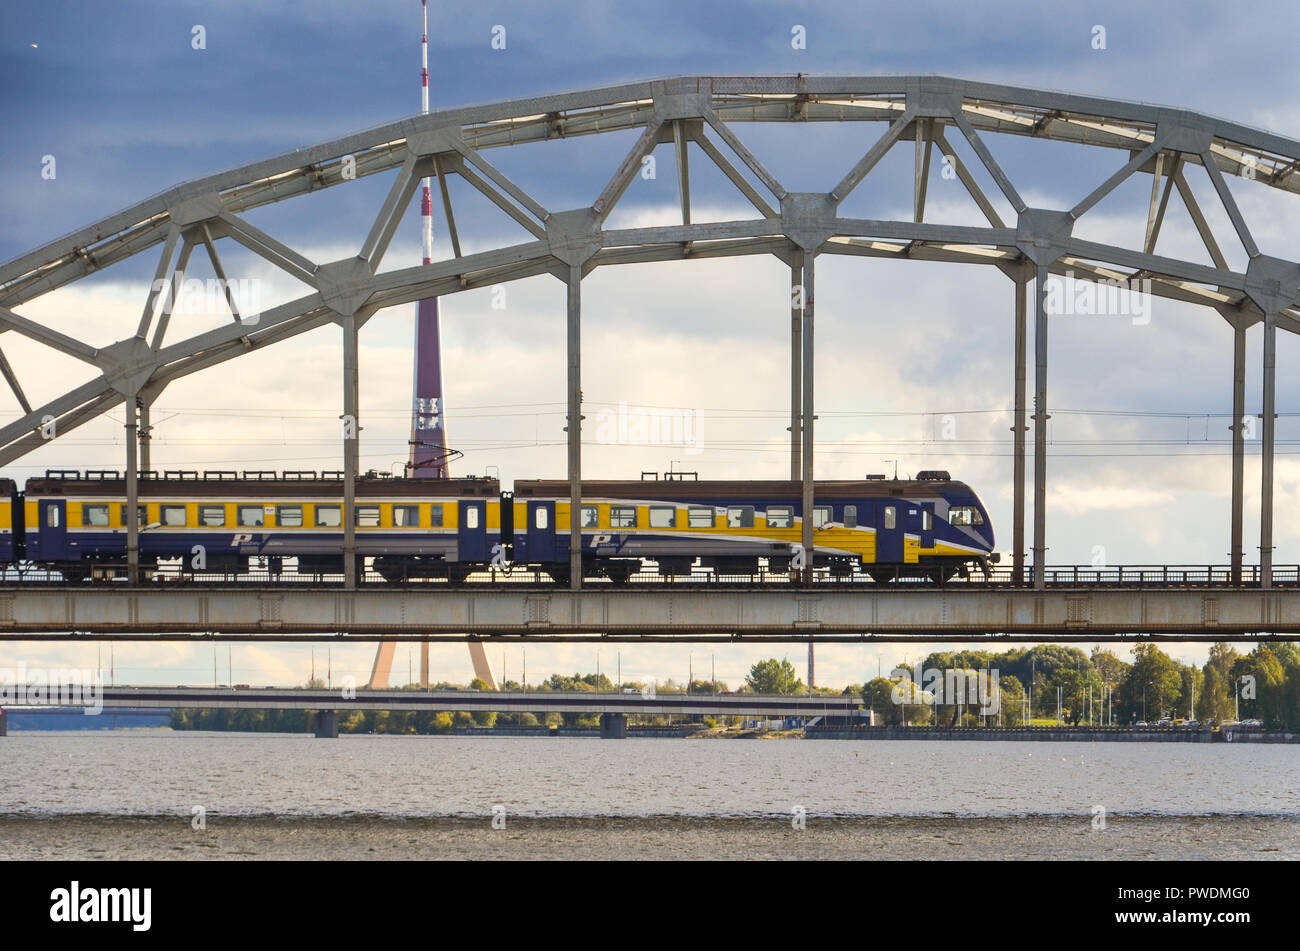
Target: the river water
(222, 795)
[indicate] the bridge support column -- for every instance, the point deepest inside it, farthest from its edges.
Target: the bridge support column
(613, 726)
(325, 724)
(351, 448)
(809, 414)
(1019, 428)
(132, 492)
(1040, 429)
(796, 364)
(4, 723)
(574, 427)
(1238, 446)
(1266, 453)
(146, 462)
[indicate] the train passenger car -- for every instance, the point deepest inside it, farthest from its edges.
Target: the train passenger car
(931, 526)
(411, 527)
(11, 522)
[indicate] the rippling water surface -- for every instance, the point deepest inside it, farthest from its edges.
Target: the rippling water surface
(251, 775)
(131, 795)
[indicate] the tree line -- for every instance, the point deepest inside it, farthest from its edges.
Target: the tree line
(1023, 685)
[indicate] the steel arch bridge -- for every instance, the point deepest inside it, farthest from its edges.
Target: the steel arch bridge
(1165, 143)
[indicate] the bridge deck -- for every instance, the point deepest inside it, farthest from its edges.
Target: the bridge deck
(484, 701)
(661, 612)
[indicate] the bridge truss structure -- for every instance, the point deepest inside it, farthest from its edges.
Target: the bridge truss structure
(930, 112)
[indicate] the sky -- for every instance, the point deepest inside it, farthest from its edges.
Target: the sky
(913, 361)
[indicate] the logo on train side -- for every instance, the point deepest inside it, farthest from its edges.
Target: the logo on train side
(243, 538)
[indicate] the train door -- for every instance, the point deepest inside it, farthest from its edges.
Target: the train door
(541, 531)
(889, 532)
(912, 520)
(53, 530)
(471, 534)
(927, 524)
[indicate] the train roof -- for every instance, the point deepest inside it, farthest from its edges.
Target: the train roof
(221, 484)
(689, 489)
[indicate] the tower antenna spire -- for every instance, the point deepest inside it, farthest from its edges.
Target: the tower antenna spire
(429, 455)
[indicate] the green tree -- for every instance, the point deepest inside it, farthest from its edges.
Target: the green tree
(1109, 667)
(774, 676)
(1267, 681)
(1154, 682)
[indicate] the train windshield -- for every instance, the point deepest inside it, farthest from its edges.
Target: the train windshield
(965, 515)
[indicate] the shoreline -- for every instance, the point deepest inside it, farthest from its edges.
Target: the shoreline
(82, 837)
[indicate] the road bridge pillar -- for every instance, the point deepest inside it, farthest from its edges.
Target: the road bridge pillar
(613, 726)
(4, 722)
(325, 724)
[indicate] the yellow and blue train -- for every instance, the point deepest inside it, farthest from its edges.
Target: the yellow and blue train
(73, 522)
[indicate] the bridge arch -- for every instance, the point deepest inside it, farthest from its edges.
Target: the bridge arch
(796, 227)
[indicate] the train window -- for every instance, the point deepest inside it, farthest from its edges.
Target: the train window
(142, 513)
(927, 521)
(435, 515)
(663, 516)
(591, 516)
(850, 516)
(541, 517)
(249, 516)
(367, 516)
(288, 516)
(699, 517)
(329, 516)
(471, 516)
(740, 516)
(212, 516)
(94, 515)
(891, 518)
(965, 515)
(622, 516)
(407, 516)
(780, 516)
(821, 516)
(52, 516)
(171, 516)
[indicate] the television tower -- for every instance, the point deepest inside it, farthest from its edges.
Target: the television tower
(428, 458)
(428, 436)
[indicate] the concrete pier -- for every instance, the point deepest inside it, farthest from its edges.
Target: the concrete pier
(613, 726)
(326, 724)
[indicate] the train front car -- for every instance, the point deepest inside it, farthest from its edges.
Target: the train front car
(929, 527)
(233, 522)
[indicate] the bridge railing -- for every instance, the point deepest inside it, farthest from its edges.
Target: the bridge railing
(907, 577)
